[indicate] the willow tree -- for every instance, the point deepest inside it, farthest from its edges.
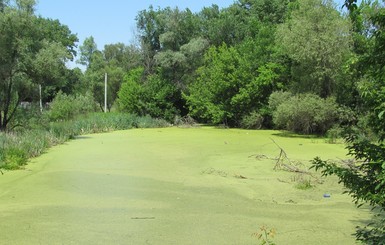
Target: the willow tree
(317, 39)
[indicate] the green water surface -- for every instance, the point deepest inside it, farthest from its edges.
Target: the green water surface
(174, 186)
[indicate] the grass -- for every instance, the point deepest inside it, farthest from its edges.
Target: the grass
(304, 184)
(174, 186)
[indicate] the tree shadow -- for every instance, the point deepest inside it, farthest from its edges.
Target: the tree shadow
(288, 134)
(82, 137)
(365, 227)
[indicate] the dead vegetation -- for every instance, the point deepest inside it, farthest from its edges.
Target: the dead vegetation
(283, 162)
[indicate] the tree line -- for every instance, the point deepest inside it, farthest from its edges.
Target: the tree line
(220, 66)
(308, 66)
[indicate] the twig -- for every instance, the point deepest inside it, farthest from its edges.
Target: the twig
(289, 167)
(282, 156)
(142, 217)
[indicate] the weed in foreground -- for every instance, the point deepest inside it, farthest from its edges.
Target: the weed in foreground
(265, 235)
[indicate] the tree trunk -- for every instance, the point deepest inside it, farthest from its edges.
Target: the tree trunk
(3, 124)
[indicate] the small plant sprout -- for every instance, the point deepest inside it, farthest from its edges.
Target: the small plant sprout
(265, 235)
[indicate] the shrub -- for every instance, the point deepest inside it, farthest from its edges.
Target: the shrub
(103, 122)
(155, 97)
(186, 121)
(252, 121)
(130, 93)
(306, 114)
(66, 107)
(277, 98)
(14, 158)
(334, 133)
(28, 118)
(12, 153)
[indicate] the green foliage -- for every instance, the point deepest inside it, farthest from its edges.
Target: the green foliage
(33, 51)
(87, 50)
(161, 97)
(210, 96)
(130, 92)
(303, 183)
(102, 122)
(14, 158)
(252, 121)
(334, 134)
(115, 61)
(306, 114)
(154, 97)
(229, 86)
(122, 56)
(277, 98)
(65, 107)
(185, 121)
(316, 38)
(174, 41)
(28, 117)
(268, 11)
(364, 178)
(163, 32)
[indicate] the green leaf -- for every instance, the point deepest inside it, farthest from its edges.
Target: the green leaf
(381, 114)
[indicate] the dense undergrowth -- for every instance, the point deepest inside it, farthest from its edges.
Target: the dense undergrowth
(18, 146)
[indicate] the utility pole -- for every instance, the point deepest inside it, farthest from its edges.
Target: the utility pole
(105, 93)
(40, 99)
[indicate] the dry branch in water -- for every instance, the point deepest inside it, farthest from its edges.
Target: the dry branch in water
(290, 167)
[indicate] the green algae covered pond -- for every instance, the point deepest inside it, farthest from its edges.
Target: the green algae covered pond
(175, 186)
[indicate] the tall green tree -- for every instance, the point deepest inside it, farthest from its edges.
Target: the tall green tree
(265, 11)
(87, 50)
(172, 46)
(23, 52)
(123, 56)
(115, 61)
(316, 38)
(231, 84)
(163, 32)
(151, 96)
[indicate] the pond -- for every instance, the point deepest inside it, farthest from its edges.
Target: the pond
(176, 186)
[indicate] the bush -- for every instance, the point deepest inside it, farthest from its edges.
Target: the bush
(306, 114)
(12, 153)
(277, 98)
(130, 93)
(28, 118)
(186, 121)
(14, 158)
(155, 97)
(257, 119)
(66, 107)
(252, 121)
(334, 133)
(103, 122)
